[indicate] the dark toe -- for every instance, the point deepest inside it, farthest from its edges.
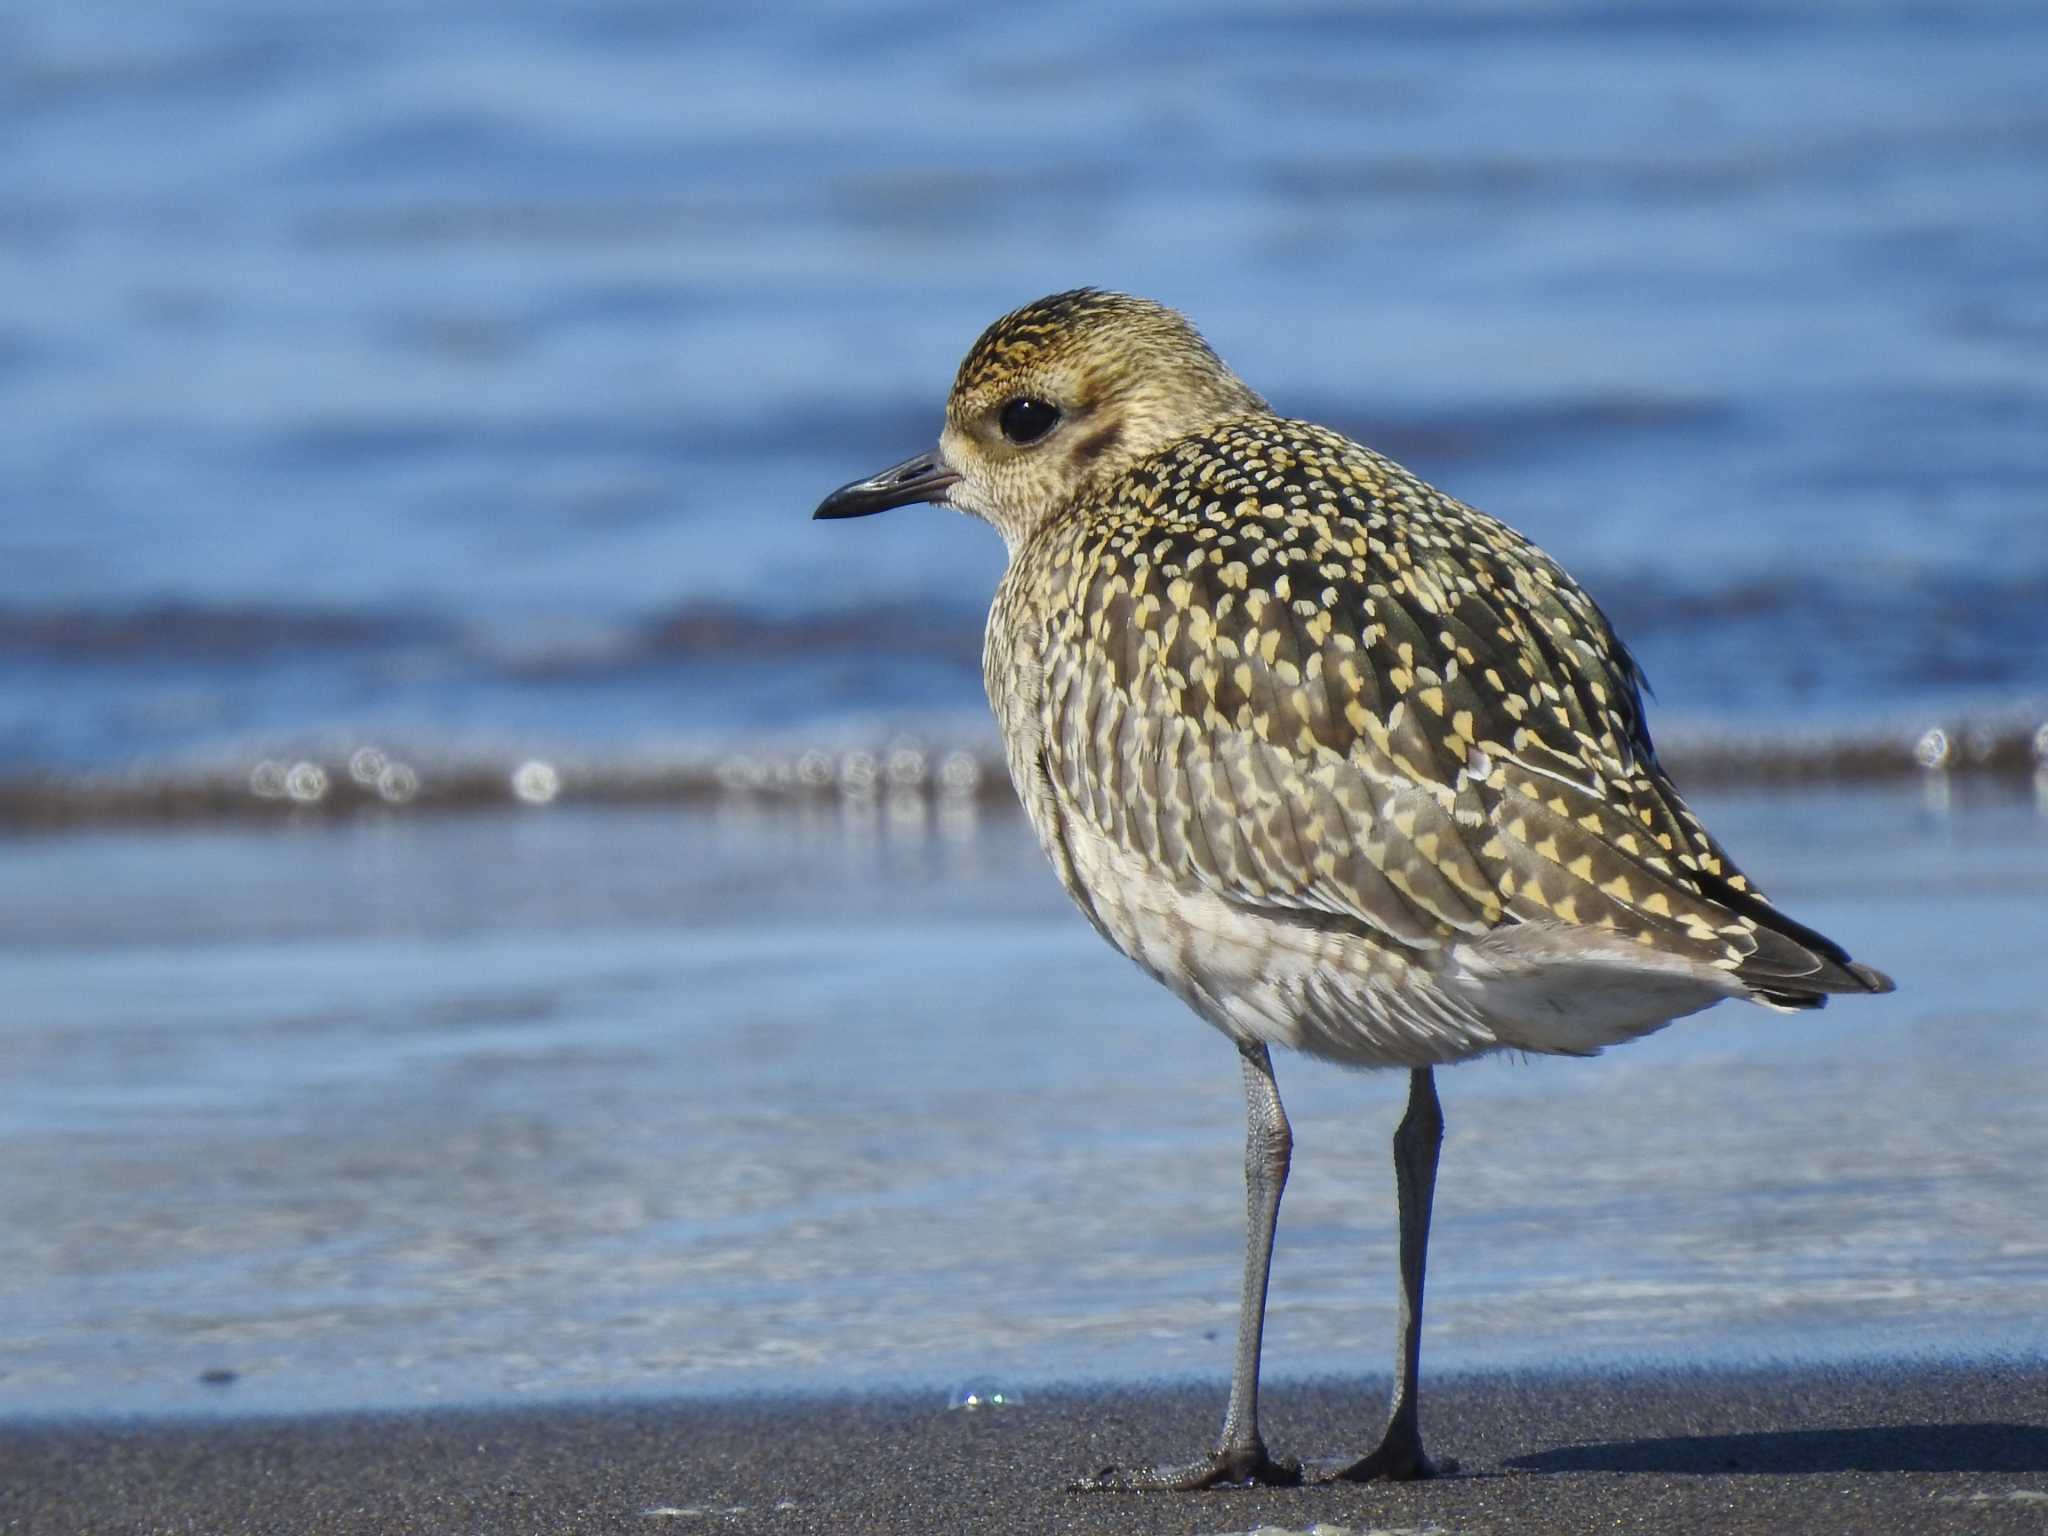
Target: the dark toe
(1395, 1464)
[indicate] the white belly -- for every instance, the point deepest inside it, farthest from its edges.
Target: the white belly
(1335, 989)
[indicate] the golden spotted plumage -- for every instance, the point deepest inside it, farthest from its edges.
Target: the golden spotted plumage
(1280, 665)
(1348, 765)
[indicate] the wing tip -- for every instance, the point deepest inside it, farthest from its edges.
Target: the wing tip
(1812, 991)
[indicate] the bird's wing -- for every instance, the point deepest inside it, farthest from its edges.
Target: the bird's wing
(1288, 670)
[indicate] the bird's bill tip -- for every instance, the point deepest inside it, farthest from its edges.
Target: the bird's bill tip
(923, 477)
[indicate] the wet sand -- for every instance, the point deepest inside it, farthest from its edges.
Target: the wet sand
(1873, 1449)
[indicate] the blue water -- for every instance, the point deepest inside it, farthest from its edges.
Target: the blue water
(421, 373)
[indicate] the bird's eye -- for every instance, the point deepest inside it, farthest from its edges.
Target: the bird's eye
(1026, 419)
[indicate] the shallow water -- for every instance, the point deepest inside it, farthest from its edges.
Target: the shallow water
(577, 1103)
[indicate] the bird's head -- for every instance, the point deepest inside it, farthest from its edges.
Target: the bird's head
(1055, 398)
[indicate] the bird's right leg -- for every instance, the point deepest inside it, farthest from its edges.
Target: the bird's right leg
(1241, 1456)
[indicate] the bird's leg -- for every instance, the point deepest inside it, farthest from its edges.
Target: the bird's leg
(1268, 1149)
(1399, 1457)
(1240, 1455)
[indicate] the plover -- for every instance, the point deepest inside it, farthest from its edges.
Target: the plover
(1346, 764)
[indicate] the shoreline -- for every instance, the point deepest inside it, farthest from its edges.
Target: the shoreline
(1999, 751)
(1874, 1447)
(500, 1110)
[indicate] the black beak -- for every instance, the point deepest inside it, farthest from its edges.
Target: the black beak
(924, 478)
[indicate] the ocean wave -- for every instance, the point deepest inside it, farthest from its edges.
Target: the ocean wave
(908, 776)
(223, 632)
(227, 635)
(1934, 623)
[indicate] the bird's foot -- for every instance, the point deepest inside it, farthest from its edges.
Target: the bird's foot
(1397, 1460)
(1238, 1467)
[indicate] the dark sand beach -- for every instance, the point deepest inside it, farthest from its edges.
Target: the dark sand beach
(1870, 1449)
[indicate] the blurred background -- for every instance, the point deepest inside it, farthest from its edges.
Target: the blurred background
(492, 900)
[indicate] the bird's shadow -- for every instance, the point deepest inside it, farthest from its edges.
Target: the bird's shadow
(1882, 1448)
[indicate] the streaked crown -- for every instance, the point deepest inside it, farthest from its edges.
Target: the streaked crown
(1072, 390)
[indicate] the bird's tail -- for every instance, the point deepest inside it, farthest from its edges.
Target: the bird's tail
(1794, 966)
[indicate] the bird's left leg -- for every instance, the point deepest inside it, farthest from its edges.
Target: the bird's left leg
(1399, 1456)
(1241, 1456)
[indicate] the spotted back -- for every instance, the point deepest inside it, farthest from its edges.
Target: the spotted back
(1279, 664)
